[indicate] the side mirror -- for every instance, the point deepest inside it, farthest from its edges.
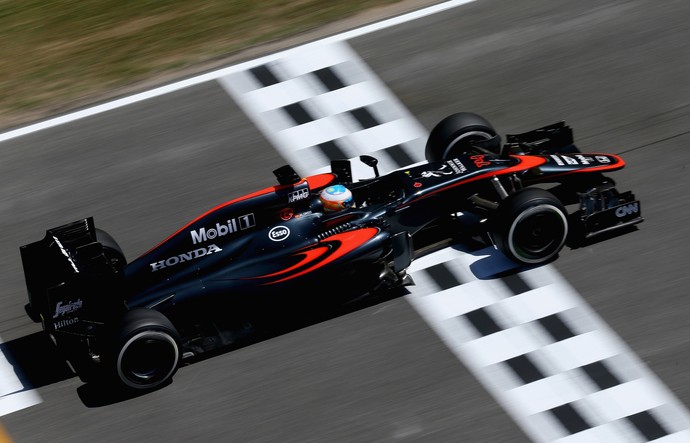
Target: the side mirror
(371, 162)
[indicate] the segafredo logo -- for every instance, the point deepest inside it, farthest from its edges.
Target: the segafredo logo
(67, 308)
(279, 233)
(187, 256)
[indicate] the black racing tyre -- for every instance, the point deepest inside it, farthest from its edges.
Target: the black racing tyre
(144, 351)
(530, 226)
(454, 136)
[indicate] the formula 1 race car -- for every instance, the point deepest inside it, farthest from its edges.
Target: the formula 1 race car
(134, 323)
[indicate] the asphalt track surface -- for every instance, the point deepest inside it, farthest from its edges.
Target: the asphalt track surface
(617, 71)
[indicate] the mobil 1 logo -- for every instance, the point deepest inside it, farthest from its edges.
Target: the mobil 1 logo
(221, 229)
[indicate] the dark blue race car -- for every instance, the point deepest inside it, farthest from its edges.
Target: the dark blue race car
(133, 323)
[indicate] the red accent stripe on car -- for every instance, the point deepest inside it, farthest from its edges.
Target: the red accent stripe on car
(308, 257)
(320, 180)
(344, 243)
(526, 162)
(314, 181)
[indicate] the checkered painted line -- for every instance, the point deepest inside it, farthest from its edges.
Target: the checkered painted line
(323, 103)
(552, 363)
(528, 337)
(12, 396)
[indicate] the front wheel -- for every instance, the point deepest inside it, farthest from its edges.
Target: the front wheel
(530, 226)
(145, 350)
(461, 134)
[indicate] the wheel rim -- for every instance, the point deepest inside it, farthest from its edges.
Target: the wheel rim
(538, 233)
(147, 359)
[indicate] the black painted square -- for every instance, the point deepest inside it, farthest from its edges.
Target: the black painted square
(601, 375)
(556, 327)
(399, 155)
(482, 321)
(264, 75)
(647, 425)
(570, 418)
(365, 118)
(442, 276)
(329, 79)
(524, 368)
(298, 113)
(515, 283)
(331, 150)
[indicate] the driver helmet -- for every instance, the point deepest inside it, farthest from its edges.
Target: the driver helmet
(336, 198)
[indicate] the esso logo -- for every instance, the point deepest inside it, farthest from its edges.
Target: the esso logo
(279, 233)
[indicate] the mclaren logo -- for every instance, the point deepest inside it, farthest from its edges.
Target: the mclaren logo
(187, 256)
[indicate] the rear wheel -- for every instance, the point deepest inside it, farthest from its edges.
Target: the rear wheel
(145, 350)
(530, 226)
(460, 134)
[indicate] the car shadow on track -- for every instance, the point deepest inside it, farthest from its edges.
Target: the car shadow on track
(577, 242)
(94, 395)
(37, 362)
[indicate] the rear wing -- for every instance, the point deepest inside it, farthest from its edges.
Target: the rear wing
(62, 271)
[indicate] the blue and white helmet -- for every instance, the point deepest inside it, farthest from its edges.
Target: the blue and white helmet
(336, 198)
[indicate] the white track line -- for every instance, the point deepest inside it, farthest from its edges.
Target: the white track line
(12, 394)
(509, 340)
(213, 75)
